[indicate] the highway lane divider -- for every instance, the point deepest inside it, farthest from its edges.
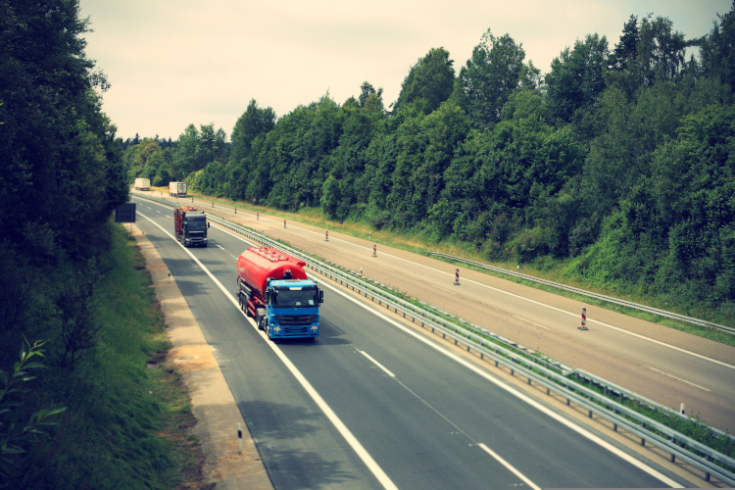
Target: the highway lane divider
(595, 395)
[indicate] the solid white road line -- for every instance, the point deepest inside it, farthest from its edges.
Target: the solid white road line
(678, 379)
(376, 470)
(377, 363)
(509, 467)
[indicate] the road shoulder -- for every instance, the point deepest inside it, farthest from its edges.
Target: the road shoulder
(212, 402)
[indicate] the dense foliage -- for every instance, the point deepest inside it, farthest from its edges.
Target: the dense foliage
(617, 162)
(61, 176)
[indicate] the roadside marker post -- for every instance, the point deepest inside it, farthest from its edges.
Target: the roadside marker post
(239, 438)
(584, 320)
(375, 250)
(456, 277)
(284, 224)
(326, 236)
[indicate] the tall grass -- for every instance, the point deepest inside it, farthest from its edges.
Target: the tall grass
(125, 423)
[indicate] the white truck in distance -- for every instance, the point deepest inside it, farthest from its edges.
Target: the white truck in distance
(177, 189)
(142, 184)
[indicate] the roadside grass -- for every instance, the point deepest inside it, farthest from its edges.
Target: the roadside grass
(128, 416)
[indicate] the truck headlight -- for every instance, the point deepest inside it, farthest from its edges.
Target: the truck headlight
(314, 328)
(277, 329)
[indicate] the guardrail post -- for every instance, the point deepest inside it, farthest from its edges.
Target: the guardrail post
(643, 441)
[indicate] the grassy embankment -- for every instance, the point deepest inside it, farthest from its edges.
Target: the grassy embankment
(545, 268)
(127, 421)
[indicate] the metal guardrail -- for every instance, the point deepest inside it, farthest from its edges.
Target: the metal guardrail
(540, 370)
(609, 299)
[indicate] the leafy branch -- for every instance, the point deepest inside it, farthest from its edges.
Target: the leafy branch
(17, 436)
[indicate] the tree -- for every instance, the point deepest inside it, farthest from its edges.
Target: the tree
(431, 78)
(649, 50)
(489, 77)
(251, 124)
(366, 91)
(576, 77)
(60, 164)
(718, 50)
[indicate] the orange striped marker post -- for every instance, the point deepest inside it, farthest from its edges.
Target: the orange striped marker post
(584, 320)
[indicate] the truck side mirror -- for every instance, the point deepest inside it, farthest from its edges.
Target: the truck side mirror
(207, 224)
(321, 297)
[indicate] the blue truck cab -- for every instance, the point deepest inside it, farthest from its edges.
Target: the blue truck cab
(291, 309)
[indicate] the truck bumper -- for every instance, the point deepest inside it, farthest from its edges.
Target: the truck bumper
(293, 331)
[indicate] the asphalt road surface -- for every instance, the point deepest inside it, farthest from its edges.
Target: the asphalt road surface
(660, 363)
(373, 404)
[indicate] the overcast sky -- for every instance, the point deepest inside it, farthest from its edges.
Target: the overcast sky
(174, 63)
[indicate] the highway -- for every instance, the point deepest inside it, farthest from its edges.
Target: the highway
(372, 404)
(665, 365)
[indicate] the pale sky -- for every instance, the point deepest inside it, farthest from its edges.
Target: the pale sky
(175, 63)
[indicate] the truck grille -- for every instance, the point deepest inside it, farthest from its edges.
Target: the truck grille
(295, 319)
(295, 330)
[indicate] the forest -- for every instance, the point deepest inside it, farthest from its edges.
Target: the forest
(617, 163)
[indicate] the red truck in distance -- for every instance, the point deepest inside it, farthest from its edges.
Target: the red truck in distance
(190, 226)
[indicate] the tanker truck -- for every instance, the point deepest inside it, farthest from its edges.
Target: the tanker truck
(190, 226)
(272, 287)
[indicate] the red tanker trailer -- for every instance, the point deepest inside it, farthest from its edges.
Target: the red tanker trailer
(274, 289)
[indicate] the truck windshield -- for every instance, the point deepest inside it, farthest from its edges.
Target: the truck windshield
(291, 298)
(198, 224)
